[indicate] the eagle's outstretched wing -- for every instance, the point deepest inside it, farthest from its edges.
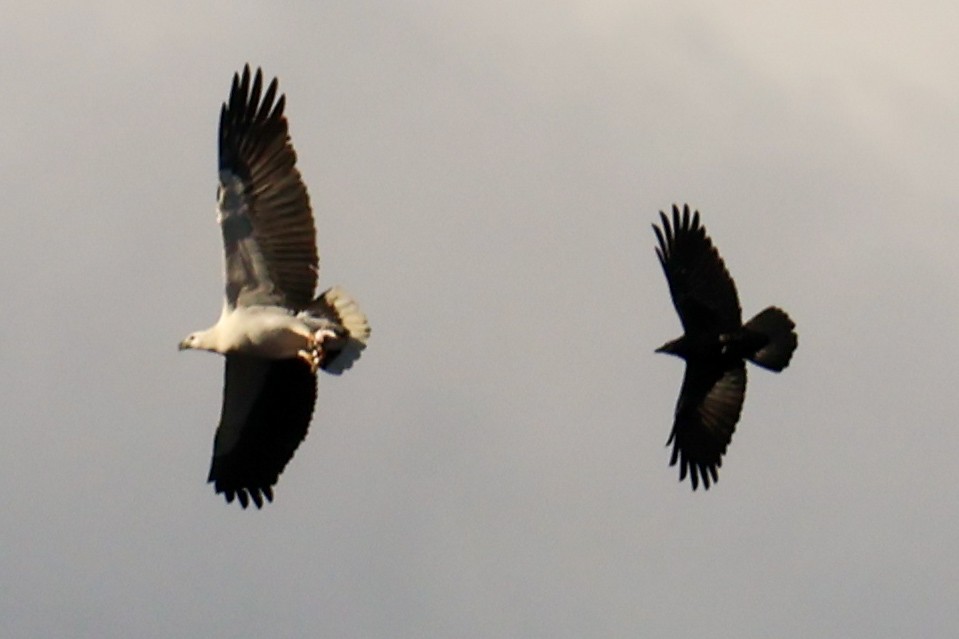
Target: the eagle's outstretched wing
(267, 407)
(269, 238)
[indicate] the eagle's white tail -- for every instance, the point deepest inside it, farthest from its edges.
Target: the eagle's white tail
(338, 306)
(778, 329)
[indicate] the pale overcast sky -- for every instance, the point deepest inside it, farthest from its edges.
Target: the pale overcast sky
(484, 176)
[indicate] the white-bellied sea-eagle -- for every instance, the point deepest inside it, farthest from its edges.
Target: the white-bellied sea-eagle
(274, 334)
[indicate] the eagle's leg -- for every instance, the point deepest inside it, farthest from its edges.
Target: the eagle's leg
(313, 353)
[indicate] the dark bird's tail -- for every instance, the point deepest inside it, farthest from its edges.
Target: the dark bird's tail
(775, 325)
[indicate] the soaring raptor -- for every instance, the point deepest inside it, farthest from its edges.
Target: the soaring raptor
(274, 333)
(715, 345)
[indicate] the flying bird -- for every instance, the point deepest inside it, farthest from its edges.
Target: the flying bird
(715, 345)
(273, 332)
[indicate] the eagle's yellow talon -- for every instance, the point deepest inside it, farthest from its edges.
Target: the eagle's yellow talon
(311, 357)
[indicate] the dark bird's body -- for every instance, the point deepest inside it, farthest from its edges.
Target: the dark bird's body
(715, 345)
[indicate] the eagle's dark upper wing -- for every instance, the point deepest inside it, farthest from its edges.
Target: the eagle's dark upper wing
(269, 238)
(267, 407)
(709, 405)
(702, 290)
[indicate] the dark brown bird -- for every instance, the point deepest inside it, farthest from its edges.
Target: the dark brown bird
(715, 345)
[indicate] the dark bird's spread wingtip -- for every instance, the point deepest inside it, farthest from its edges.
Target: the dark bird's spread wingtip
(247, 495)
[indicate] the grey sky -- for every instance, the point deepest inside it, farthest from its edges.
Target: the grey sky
(484, 178)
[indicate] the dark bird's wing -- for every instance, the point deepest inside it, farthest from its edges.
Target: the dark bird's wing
(269, 238)
(702, 290)
(709, 405)
(267, 407)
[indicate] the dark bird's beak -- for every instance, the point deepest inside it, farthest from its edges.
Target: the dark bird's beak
(182, 346)
(670, 347)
